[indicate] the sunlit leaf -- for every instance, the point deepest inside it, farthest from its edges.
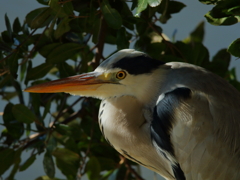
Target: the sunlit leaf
(142, 5)
(221, 21)
(234, 48)
(154, 3)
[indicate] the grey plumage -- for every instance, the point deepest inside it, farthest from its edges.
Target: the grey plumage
(176, 119)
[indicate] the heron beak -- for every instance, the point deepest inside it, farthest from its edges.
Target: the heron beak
(84, 82)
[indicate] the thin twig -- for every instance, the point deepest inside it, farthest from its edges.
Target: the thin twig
(100, 44)
(128, 166)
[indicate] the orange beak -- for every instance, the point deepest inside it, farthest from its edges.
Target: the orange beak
(84, 82)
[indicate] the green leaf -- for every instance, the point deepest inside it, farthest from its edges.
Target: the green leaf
(220, 63)
(209, 1)
(221, 21)
(67, 161)
(9, 95)
(63, 52)
(48, 165)
(113, 174)
(47, 49)
(51, 143)
(66, 155)
(16, 26)
(112, 17)
(155, 49)
(198, 33)
(27, 163)
(175, 7)
(224, 13)
(6, 38)
(6, 159)
(39, 17)
(5, 80)
(65, 70)
(234, 10)
(46, 109)
(232, 78)
(169, 7)
(142, 5)
(23, 114)
(13, 64)
(57, 9)
(39, 71)
(195, 54)
(14, 128)
(122, 40)
(93, 168)
(234, 48)
(154, 3)
(62, 28)
(5, 47)
(17, 161)
(106, 163)
(47, 178)
(23, 69)
(68, 8)
(44, 2)
(63, 129)
(8, 25)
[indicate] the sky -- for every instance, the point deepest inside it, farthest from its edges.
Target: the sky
(182, 23)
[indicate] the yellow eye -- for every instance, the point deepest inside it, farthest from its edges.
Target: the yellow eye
(121, 74)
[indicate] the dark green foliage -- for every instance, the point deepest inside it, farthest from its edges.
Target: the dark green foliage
(66, 35)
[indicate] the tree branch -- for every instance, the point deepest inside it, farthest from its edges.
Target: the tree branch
(100, 45)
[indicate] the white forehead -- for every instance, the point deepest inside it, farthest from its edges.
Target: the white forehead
(107, 64)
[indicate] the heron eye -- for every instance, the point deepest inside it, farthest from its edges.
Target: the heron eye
(121, 75)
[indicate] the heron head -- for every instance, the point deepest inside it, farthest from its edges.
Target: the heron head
(127, 72)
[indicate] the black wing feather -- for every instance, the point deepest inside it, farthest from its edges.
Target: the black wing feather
(162, 123)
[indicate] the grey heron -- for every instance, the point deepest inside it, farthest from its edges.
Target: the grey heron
(176, 119)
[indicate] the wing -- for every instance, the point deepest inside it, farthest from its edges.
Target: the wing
(198, 134)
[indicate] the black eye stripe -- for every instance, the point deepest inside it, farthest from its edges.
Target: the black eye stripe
(138, 65)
